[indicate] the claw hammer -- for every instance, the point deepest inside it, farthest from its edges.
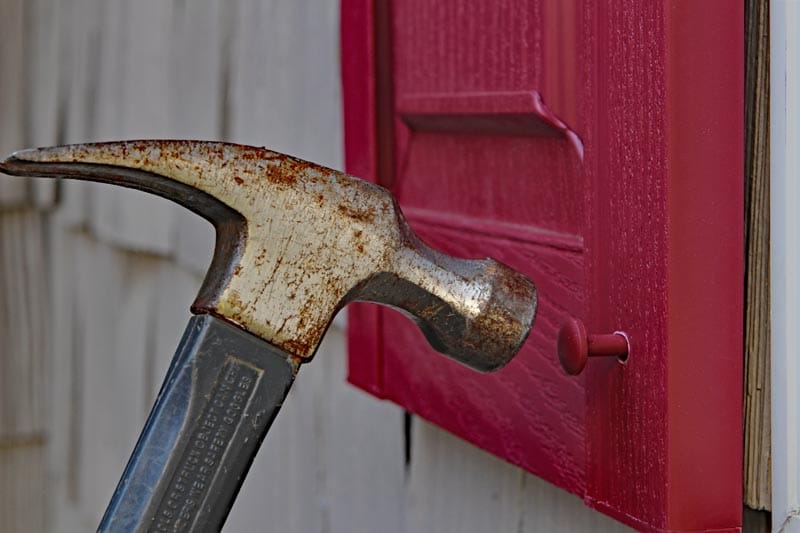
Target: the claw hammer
(295, 243)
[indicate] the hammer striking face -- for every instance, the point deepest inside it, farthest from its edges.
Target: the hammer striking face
(295, 243)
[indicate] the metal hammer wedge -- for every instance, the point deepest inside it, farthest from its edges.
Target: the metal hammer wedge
(295, 243)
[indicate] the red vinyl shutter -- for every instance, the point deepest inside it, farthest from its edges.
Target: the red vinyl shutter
(597, 147)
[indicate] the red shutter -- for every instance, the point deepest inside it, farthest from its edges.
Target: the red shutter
(597, 147)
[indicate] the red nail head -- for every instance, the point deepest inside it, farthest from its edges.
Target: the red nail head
(573, 348)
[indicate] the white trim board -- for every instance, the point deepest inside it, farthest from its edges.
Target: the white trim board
(785, 262)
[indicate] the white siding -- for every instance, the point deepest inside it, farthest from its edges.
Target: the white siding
(785, 261)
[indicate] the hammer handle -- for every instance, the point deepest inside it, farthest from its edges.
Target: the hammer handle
(221, 394)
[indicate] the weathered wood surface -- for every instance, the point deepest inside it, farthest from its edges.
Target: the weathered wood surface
(111, 298)
(24, 313)
(757, 479)
(23, 354)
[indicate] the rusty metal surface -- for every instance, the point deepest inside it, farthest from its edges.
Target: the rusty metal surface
(297, 241)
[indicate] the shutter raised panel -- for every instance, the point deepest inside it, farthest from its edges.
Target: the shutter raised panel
(597, 147)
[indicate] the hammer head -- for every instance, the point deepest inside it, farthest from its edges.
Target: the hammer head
(297, 241)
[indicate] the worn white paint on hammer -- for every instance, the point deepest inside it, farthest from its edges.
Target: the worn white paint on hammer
(785, 262)
(124, 269)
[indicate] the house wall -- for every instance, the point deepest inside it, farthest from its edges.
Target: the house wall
(95, 281)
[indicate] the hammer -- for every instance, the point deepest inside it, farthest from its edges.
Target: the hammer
(295, 243)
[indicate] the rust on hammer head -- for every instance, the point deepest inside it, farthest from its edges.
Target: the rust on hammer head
(297, 241)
